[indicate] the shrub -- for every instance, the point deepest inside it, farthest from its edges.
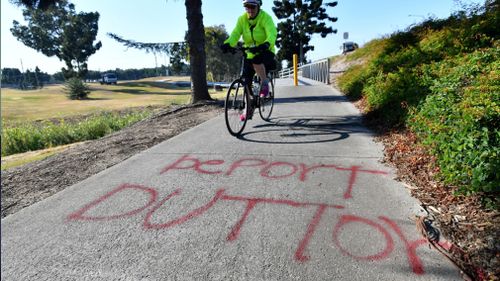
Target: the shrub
(400, 40)
(392, 94)
(442, 80)
(353, 81)
(459, 120)
(76, 89)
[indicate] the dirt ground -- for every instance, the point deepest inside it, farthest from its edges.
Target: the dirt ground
(473, 231)
(33, 182)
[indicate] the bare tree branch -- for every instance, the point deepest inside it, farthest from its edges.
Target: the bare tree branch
(148, 47)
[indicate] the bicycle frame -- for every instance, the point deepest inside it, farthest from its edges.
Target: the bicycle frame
(244, 104)
(256, 79)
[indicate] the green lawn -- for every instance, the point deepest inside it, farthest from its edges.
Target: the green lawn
(51, 102)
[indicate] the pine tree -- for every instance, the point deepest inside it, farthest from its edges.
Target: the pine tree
(300, 20)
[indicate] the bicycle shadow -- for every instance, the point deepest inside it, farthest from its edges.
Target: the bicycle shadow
(305, 130)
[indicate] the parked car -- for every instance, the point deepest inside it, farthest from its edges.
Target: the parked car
(349, 47)
(108, 78)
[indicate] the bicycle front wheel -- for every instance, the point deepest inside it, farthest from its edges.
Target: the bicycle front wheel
(236, 107)
(266, 104)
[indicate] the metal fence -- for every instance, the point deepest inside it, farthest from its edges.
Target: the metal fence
(318, 70)
(286, 73)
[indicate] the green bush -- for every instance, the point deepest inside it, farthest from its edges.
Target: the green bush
(353, 81)
(441, 79)
(76, 89)
(459, 120)
(439, 44)
(405, 58)
(392, 94)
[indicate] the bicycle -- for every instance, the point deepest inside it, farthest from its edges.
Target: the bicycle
(242, 100)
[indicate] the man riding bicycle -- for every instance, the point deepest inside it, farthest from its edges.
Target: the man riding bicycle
(259, 36)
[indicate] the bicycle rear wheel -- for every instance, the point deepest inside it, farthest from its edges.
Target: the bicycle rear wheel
(266, 104)
(237, 105)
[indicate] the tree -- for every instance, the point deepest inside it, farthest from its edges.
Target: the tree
(220, 67)
(195, 39)
(57, 30)
(38, 78)
(197, 56)
(177, 58)
(155, 48)
(35, 4)
(11, 76)
(75, 89)
(302, 19)
(26, 80)
(176, 50)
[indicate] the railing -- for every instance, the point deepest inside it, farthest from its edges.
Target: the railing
(318, 70)
(286, 73)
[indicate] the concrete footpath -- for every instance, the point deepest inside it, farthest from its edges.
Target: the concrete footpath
(302, 197)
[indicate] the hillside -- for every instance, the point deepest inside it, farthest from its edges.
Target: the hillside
(433, 94)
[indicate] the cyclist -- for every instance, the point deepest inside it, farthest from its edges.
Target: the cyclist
(259, 36)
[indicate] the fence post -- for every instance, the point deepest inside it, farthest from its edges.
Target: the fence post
(295, 71)
(328, 71)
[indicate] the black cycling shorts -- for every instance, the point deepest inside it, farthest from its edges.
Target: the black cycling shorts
(266, 58)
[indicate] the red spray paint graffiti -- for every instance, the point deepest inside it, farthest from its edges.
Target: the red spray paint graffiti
(79, 215)
(344, 220)
(250, 204)
(413, 259)
(266, 169)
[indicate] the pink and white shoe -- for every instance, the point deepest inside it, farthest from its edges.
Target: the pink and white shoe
(246, 115)
(264, 90)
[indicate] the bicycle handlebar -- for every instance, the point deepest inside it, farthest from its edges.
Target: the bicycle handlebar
(233, 50)
(226, 48)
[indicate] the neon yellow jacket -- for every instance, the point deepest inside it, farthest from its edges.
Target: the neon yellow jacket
(264, 31)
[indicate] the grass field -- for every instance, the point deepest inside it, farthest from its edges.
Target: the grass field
(51, 101)
(20, 108)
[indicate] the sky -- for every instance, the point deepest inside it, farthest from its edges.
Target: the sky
(155, 21)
